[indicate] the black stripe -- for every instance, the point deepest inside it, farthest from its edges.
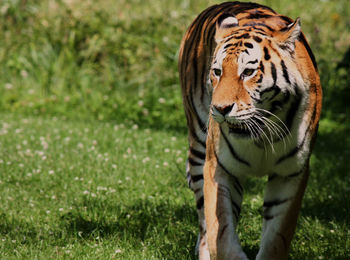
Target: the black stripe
(198, 154)
(197, 139)
(296, 174)
(286, 19)
(266, 54)
(273, 88)
(242, 36)
(222, 231)
(240, 7)
(273, 203)
(284, 29)
(308, 49)
(262, 67)
(260, 79)
(200, 203)
(285, 72)
(232, 150)
(252, 62)
(259, 30)
(277, 91)
(257, 39)
(193, 162)
(248, 45)
(257, 16)
(293, 152)
(202, 125)
(293, 109)
(228, 45)
(229, 25)
(274, 73)
(237, 209)
(272, 177)
(258, 101)
(225, 191)
(261, 33)
(228, 38)
(237, 184)
(188, 177)
(196, 178)
(209, 31)
(260, 24)
(268, 217)
(293, 175)
(191, 104)
(190, 53)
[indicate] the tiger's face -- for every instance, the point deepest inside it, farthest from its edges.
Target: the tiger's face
(250, 80)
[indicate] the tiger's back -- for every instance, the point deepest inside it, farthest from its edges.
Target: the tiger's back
(252, 98)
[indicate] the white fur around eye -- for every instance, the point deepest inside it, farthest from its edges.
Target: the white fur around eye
(252, 55)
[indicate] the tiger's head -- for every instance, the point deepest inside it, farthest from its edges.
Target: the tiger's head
(254, 76)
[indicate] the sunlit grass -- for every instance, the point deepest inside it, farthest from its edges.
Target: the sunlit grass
(92, 189)
(103, 190)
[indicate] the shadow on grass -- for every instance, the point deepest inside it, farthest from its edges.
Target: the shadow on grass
(173, 226)
(164, 226)
(17, 230)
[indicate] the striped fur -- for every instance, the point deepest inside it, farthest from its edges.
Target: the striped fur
(252, 99)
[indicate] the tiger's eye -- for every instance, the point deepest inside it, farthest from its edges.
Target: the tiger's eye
(248, 72)
(217, 72)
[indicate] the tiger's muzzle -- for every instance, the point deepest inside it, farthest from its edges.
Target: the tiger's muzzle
(234, 118)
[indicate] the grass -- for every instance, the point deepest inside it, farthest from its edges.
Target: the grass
(115, 61)
(93, 135)
(73, 189)
(68, 191)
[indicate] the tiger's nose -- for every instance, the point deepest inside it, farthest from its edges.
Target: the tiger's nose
(224, 109)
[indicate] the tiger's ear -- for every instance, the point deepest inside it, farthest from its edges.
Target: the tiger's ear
(224, 26)
(288, 35)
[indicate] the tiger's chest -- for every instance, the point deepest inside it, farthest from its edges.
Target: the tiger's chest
(245, 157)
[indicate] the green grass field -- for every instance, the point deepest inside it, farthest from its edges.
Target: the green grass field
(93, 135)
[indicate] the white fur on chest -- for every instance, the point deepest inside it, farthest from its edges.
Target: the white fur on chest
(243, 158)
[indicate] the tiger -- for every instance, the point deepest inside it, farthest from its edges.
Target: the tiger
(252, 98)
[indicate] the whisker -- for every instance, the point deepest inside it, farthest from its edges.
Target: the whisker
(272, 114)
(271, 124)
(267, 138)
(275, 128)
(256, 132)
(282, 133)
(250, 129)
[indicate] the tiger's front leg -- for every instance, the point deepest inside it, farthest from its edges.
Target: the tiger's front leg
(195, 180)
(281, 207)
(222, 203)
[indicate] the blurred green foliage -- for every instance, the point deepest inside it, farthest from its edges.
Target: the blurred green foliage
(117, 60)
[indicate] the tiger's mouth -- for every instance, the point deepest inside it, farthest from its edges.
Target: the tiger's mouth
(240, 129)
(245, 129)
